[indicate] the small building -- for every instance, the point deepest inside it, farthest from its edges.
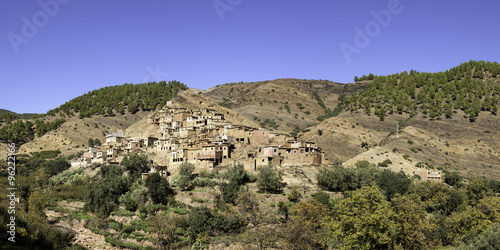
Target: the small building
(80, 162)
(115, 137)
(428, 175)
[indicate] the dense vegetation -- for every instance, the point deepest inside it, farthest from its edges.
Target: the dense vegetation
(378, 208)
(22, 131)
(117, 99)
(471, 87)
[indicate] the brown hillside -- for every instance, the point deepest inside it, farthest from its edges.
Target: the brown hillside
(72, 136)
(259, 101)
(452, 144)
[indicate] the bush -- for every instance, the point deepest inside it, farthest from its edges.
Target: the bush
(54, 167)
(294, 195)
(46, 154)
(159, 189)
(385, 163)
(392, 183)
(269, 180)
(136, 164)
(488, 239)
(322, 197)
(237, 174)
(453, 179)
(185, 172)
(363, 164)
(139, 225)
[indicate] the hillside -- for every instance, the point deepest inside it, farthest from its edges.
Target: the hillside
(454, 144)
(285, 105)
(472, 87)
(454, 112)
(118, 99)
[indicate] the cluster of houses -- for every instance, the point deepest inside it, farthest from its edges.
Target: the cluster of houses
(205, 139)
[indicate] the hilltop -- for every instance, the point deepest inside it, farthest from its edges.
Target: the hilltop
(285, 105)
(454, 112)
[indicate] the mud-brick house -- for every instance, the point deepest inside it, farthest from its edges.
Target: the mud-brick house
(167, 145)
(133, 145)
(184, 132)
(116, 137)
(298, 152)
(196, 121)
(210, 156)
(111, 152)
(98, 156)
(80, 162)
(176, 157)
(241, 134)
(149, 141)
(428, 175)
(259, 137)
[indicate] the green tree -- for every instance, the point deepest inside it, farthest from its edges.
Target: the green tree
(136, 164)
(294, 195)
(364, 221)
(54, 167)
(453, 179)
(476, 190)
(392, 183)
(413, 230)
(36, 213)
(159, 189)
(103, 196)
(486, 240)
(269, 180)
(185, 173)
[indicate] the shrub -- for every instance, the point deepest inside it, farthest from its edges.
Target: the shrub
(185, 172)
(136, 164)
(322, 197)
(363, 164)
(269, 180)
(294, 195)
(159, 189)
(392, 183)
(54, 167)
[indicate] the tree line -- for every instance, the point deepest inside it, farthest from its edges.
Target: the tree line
(117, 99)
(470, 87)
(23, 131)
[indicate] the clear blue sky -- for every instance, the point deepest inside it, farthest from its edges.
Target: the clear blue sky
(51, 54)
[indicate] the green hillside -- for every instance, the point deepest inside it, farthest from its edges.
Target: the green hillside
(471, 87)
(117, 99)
(105, 101)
